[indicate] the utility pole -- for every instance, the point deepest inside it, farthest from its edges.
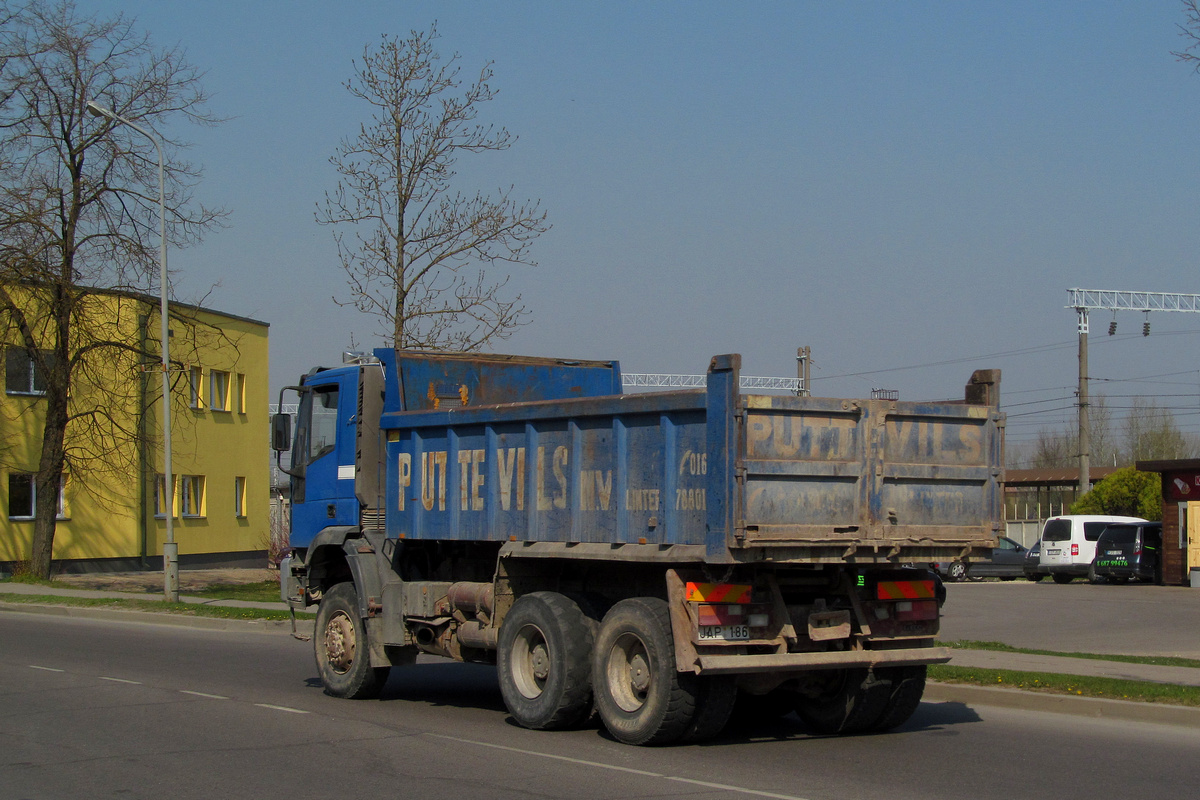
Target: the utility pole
(1083, 300)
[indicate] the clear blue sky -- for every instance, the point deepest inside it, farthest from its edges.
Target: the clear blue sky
(907, 188)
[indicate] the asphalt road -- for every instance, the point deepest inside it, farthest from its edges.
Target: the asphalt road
(1076, 617)
(102, 709)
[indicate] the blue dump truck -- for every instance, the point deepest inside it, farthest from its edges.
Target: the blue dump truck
(653, 558)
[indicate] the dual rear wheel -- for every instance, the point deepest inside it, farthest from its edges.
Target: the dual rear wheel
(557, 662)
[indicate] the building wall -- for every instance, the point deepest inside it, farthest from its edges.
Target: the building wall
(109, 497)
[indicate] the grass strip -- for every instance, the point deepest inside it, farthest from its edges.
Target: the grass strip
(261, 592)
(1000, 647)
(156, 606)
(1075, 685)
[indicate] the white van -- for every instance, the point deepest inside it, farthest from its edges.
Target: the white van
(1069, 544)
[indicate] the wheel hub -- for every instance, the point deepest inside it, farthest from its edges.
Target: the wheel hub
(340, 642)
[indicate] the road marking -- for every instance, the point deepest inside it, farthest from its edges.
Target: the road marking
(120, 680)
(615, 768)
(46, 669)
(203, 694)
(281, 708)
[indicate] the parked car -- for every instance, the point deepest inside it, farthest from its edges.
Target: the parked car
(1129, 551)
(1007, 562)
(1069, 544)
(1031, 565)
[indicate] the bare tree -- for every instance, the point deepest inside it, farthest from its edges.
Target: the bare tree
(79, 221)
(1151, 433)
(1190, 31)
(1059, 448)
(418, 247)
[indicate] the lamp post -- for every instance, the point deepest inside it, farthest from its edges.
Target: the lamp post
(170, 548)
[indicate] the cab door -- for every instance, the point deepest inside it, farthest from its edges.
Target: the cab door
(323, 457)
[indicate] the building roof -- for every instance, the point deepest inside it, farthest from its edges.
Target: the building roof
(1065, 476)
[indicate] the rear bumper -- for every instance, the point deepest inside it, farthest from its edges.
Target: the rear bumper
(800, 662)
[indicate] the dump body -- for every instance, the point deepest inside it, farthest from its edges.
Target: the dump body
(717, 475)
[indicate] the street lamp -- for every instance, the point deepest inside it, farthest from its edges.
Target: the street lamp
(170, 548)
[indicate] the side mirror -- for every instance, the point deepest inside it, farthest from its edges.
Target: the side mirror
(281, 432)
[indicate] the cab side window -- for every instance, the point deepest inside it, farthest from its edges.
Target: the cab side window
(323, 431)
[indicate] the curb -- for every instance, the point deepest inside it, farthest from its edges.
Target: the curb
(1093, 707)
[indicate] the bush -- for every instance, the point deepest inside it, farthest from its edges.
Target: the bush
(1126, 492)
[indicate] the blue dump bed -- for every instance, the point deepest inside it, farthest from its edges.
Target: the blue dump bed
(538, 451)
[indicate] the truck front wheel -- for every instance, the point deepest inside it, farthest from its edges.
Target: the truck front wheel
(340, 645)
(544, 661)
(640, 696)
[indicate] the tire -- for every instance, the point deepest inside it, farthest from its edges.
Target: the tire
(907, 687)
(716, 697)
(956, 572)
(774, 705)
(341, 648)
(1093, 577)
(544, 662)
(844, 701)
(1062, 577)
(641, 699)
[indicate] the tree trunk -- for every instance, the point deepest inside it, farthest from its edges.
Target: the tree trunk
(48, 480)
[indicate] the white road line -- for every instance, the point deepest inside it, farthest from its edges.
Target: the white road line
(203, 694)
(615, 768)
(46, 669)
(120, 680)
(281, 708)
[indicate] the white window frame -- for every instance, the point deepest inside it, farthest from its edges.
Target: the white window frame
(62, 503)
(35, 375)
(159, 485)
(191, 496)
(241, 393)
(218, 395)
(196, 386)
(239, 497)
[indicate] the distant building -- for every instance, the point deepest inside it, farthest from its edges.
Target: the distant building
(1031, 496)
(113, 513)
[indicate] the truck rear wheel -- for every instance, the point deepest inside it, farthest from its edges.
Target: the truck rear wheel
(544, 661)
(639, 695)
(716, 697)
(908, 684)
(843, 701)
(341, 649)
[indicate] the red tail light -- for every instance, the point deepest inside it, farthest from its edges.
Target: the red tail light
(1074, 549)
(1137, 551)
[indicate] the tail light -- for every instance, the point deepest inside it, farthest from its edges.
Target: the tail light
(1137, 551)
(1074, 549)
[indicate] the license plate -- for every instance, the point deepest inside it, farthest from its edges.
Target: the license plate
(1112, 552)
(725, 633)
(1052, 551)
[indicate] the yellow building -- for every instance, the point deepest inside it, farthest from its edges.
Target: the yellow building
(112, 505)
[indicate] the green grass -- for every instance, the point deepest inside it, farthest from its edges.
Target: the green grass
(1000, 647)
(1077, 685)
(157, 606)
